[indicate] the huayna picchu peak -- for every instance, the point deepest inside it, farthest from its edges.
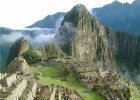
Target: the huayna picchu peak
(89, 42)
(83, 60)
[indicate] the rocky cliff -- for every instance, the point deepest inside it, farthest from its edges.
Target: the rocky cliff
(128, 51)
(84, 38)
(18, 48)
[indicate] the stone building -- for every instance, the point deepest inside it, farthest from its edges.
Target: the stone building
(14, 87)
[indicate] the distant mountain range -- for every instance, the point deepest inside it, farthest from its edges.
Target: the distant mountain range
(48, 22)
(121, 17)
(118, 16)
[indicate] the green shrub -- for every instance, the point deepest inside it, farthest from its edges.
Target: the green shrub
(31, 57)
(97, 88)
(127, 93)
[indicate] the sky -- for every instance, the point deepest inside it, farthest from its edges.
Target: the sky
(17, 14)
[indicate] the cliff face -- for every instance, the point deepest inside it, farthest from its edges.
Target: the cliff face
(89, 41)
(128, 51)
(18, 48)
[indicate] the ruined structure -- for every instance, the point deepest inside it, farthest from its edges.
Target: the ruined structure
(54, 92)
(110, 85)
(14, 87)
(19, 87)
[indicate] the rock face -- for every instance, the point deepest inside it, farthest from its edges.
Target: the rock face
(19, 64)
(125, 18)
(128, 51)
(88, 41)
(18, 48)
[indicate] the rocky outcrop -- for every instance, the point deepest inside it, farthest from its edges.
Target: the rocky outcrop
(18, 65)
(18, 48)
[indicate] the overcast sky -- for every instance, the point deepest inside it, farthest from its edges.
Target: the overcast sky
(21, 13)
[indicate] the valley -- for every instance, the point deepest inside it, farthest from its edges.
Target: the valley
(79, 60)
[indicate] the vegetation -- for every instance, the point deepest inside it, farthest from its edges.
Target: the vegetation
(54, 51)
(31, 57)
(126, 93)
(97, 88)
(61, 76)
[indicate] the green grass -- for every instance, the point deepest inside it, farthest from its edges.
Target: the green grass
(50, 75)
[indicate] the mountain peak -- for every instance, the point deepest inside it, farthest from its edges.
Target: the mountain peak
(116, 2)
(18, 48)
(77, 13)
(79, 7)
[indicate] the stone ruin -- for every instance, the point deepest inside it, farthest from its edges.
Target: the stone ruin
(19, 87)
(14, 87)
(91, 76)
(56, 92)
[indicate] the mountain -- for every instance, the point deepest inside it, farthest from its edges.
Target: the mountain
(125, 18)
(127, 52)
(48, 22)
(4, 30)
(18, 48)
(120, 16)
(22, 48)
(82, 37)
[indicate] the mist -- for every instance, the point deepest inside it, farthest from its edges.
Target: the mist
(132, 75)
(65, 34)
(37, 37)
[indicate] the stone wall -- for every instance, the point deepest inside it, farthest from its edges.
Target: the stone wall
(30, 91)
(17, 92)
(15, 87)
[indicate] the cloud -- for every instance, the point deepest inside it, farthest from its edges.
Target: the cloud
(40, 40)
(36, 36)
(10, 38)
(65, 33)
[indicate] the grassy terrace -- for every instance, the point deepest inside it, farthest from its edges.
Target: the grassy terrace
(51, 75)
